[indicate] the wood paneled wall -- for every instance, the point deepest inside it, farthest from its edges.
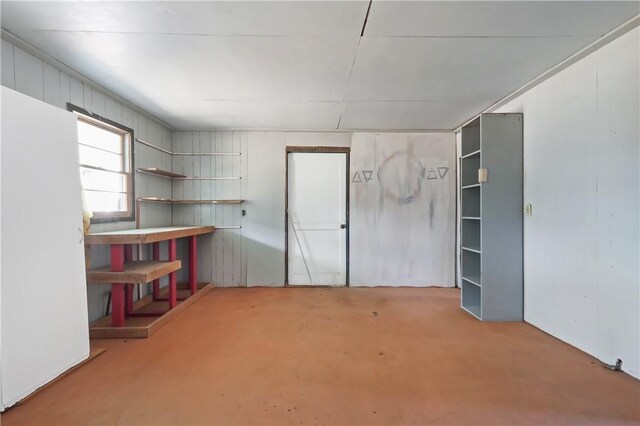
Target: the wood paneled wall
(222, 258)
(30, 75)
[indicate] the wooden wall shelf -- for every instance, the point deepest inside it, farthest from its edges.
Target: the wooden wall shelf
(196, 154)
(159, 172)
(134, 272)
(169, 200)
(170, 175)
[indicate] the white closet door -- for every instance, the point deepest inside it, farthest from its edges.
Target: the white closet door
(44, 297)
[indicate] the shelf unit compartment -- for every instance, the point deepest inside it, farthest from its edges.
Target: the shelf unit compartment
(469, 170)
(472, 154)
(472, 299)
(471, 266)
(471, 202)
(471, 137)
(471, 238)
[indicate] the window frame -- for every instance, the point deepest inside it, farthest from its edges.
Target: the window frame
(128, 138)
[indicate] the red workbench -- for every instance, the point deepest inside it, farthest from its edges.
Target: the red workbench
(123, 273)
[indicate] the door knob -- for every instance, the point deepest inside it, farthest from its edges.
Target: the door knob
(343, 226)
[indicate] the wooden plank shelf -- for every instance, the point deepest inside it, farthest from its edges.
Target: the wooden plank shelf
(171, 201)
(159, 172)
(209, 178)
(171, 175)
(142, 327)
(134, 272)
(207, 201)
(210, 154)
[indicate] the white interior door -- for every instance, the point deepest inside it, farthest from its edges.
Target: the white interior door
(317, 211)
(45, 327)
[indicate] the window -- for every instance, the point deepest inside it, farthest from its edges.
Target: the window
(106, 166)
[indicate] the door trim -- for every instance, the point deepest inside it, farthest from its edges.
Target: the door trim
(323, 150)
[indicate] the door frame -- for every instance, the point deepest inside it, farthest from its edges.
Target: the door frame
(315, 150)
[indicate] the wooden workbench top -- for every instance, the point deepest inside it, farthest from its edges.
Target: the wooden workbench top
(146, 235)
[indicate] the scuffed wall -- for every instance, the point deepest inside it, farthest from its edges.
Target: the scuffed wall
(402, 230)
(581, 166)
(402, 209)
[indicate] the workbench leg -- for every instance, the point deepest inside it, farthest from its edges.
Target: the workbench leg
(193, 259)
(128, 288)
(173, 291)
(117, 289)
(156, 283)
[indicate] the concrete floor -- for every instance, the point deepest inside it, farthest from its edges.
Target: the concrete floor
(367, 356)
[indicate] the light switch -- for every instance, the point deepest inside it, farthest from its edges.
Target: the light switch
(528, 210)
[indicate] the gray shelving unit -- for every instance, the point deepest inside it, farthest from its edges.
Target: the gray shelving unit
(491, 215)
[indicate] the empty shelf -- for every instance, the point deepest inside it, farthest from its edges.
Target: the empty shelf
(471, 154)
(134, 272)
(171, 175)
(472, 249)
(150, 145)
(169, 200)
(473, 310)
(160, 172)
(155, 200)
(470, 217)
(207, 201)
(472, 279)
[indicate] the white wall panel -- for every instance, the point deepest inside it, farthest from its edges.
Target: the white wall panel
(582, 162)
(29, 74)
(402, 209)
(221, 257)
(265, 208)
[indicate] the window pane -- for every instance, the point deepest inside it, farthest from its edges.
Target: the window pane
(105, 181)
(97, 158)
(106, 201)
(98, 137)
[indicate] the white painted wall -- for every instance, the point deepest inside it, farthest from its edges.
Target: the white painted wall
(221, 256)
(582, 162)
(265, 225)
(41, 80)
(254, 255)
